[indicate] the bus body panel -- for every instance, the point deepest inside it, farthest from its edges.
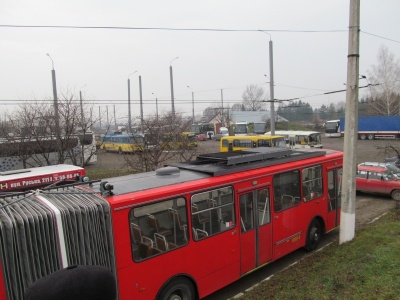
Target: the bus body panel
(220, 258)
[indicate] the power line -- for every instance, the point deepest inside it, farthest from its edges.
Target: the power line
(166, 28)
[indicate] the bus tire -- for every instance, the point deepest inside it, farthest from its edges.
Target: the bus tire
(314, 235)
(363, 136)
(178, 289)
(371, 136)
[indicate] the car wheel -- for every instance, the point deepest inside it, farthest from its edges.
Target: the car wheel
(396, 195)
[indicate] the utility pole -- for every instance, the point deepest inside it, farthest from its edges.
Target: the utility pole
(222, 105)
(348, 197)
(141, 104)
(271, 87)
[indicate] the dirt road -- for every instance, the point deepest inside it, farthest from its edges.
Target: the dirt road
(367, 207)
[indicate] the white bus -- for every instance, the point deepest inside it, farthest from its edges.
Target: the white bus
(300, 139)
(332, 128)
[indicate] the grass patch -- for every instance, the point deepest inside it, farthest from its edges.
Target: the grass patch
(366, 268)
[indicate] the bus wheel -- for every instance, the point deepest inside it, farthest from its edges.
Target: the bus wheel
(314, 234)
(371, 136)
(363, 136)
(178, 289)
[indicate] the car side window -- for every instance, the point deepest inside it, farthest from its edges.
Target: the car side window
(362, 174)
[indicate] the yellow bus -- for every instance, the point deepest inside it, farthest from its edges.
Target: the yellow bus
(245, 142)
(183, 140)
(122, 143)
(300, 139)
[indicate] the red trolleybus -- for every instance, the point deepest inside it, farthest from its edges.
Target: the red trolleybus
(186, 230)
(33, 178)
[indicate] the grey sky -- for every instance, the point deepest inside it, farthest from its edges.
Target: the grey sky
(98, 61)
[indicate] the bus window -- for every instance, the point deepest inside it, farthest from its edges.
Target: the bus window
(286, 190)
(158, 228)
(212, 212)
(312, 183)
(246, 212)
(263, 207)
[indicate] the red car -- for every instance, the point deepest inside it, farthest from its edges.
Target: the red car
(201, 137)
(378, 180)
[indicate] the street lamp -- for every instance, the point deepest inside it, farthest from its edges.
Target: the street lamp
(172, 87)
(129, 103)
(156, 106)
(53, 79)
(271, 84)
(193, 120)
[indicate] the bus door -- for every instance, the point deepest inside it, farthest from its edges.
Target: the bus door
(255, 228)
(334, 192)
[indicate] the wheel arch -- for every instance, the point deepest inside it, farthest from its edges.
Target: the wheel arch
(177, 277)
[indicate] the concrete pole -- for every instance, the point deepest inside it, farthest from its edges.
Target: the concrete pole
(222, 110)
(129, 107)
(100, 117)
(348, 197)
(81, 102)
(141, 104)
(271, 87)
(115, 119)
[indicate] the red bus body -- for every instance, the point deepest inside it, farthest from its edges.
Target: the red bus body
(253, 230)
(24, 179)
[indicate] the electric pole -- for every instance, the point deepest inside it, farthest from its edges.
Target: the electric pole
(348, 197)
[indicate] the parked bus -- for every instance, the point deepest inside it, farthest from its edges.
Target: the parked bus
(183, 140)
(235, 143)
(21, 153)
(122, 143)
(181, 232)
(300, 139)
(250, 128)
(332, 128)
(34, 178)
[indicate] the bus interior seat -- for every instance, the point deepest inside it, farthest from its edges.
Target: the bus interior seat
(201, 218)
(154, 224)
(287, 200)
(138, 236)
(177, 222)
(162, 244)
(199, 234)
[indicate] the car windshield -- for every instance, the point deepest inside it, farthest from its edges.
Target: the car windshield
(393, 169)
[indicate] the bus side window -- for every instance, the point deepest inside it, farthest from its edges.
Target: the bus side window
(212, 212)
(158, 228)
(312, 183)
(286, 190)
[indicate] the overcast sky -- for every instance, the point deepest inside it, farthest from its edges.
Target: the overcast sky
(310, 45)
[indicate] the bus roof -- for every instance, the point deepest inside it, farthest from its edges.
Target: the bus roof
(209, 165)
(293, 132)
(17, 180)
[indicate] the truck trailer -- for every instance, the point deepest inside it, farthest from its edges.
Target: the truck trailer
(376, 127)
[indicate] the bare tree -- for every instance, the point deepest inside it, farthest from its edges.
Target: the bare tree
(34, 139)
(385, 84)
(253, 97)
(166, 139)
